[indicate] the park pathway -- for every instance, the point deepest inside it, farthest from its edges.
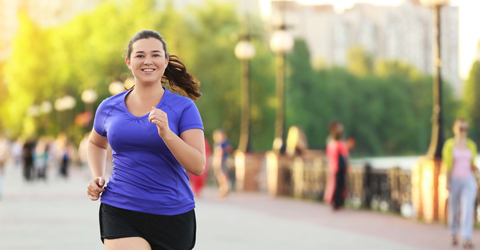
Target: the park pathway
(57, 215)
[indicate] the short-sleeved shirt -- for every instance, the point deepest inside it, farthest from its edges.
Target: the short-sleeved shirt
(146, 176)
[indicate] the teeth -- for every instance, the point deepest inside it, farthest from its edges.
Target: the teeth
(148, 70)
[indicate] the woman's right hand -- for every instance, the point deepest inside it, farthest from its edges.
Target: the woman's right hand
(95, 187)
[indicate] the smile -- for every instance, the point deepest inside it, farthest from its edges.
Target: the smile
(148, 70)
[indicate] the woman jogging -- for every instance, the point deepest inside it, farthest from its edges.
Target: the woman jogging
(156, 137)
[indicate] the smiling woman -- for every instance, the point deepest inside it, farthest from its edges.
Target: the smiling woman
(156, 137)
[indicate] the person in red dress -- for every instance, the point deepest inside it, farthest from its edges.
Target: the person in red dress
(337, 154)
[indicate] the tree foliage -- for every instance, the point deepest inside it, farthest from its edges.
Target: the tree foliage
(385, 106)
(471, 101)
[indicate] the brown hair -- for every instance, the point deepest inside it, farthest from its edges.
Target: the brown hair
(459, 119)
(333, 128)
(176, 73)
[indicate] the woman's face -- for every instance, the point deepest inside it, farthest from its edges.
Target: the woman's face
(340, 128)
(147, 60)
(460, 129)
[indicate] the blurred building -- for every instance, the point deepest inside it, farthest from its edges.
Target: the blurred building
(403, 32)
(44, 13)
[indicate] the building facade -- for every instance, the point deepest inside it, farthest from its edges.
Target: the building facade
(403, 32)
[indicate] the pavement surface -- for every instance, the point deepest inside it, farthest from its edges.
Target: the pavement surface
(57, 214)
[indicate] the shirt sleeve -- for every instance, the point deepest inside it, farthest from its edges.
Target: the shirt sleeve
(100, 116)
(190, 118)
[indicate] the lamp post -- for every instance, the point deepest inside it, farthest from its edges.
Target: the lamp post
(245, 51)
(89, 96)
(436, 143)
(63, 104)
(429, 183)
(116, 88)
(33, 111)
(280, 43)
(45, 109)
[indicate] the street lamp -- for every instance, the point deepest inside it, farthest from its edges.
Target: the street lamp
(33, 110)
(245, 51)
(436, 143)
(63, 104)
(46, 107)
(116, 88)
(89, 96)
(280, 43)
(429, 192)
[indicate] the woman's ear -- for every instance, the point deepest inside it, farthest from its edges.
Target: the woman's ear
(127, 61)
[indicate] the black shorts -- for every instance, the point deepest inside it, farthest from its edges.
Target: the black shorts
(164, 232)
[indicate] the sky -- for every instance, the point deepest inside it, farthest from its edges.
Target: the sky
(469, 33)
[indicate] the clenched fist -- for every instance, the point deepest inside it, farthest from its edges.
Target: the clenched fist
(159, 118)
(95, 187)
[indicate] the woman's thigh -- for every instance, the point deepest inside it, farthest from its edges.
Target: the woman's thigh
(128, 243)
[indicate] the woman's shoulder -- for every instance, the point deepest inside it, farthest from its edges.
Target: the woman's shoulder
(449, 142)
(177, 101)
(471, 143)
(112, 100)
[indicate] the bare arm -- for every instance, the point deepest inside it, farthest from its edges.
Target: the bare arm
(188, 149)
(96, 156)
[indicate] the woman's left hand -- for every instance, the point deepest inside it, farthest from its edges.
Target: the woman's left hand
(159, 118)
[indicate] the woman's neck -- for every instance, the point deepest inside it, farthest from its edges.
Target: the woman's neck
(148, 93)
(460, 139)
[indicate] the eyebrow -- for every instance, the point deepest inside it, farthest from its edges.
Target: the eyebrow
(144, 51)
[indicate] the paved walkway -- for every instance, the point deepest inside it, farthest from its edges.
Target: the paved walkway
(58, 215)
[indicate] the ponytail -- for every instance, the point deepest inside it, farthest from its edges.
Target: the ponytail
(179, 79)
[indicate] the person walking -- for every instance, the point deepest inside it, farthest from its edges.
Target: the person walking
(458, 155)
(65, 158)
(221, 152)
(28, 154)
(41, 159)
(337, 154)
(156, 138)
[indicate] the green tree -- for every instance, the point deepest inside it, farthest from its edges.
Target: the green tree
(471, 100)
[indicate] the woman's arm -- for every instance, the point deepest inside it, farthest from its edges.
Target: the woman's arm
(188, 149)
(96, 155)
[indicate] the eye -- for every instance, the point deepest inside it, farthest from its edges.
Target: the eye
(140, 56)
(157, 55)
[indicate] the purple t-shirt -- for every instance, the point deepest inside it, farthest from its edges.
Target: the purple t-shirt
(146, 176)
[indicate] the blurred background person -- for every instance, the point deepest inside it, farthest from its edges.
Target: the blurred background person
(198, 182)
(458, 156)
(221, 151)
(28, 154)
(65, 160)
(16, 151)
(337, 154)
(41, 158)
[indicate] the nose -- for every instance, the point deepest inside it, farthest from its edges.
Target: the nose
(148, 60)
